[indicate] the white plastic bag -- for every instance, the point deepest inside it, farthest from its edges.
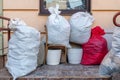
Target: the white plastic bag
(80, 23)
(23, 49)
(111, 62)
(58, 28)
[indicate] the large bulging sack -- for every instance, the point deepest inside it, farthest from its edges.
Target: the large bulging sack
(80, 23)
(23, 49)
(95, 49)
(58, 28)
(111, 62)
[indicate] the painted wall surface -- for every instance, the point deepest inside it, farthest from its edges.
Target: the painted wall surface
(27, 10)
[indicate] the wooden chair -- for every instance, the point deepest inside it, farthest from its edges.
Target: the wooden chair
(55, 46)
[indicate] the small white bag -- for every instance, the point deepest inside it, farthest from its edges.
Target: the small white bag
(80, 23)
(58, 28)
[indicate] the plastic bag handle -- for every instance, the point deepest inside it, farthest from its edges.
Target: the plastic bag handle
(114, 19)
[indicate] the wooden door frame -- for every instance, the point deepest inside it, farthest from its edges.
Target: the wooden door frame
(1, 23)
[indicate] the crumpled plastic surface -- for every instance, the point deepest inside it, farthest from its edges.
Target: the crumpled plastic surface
(95, 49)
(23, 49)
(58, 28)
(80, 24)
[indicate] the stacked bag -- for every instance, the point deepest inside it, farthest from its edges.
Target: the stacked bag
(77, 30)
(80, 24)
(23, 59)
(58, 28)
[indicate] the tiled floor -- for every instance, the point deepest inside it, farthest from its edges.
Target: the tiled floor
(59, 72)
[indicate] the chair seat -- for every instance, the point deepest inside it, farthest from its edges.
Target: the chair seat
(61, 47)
(53, 46)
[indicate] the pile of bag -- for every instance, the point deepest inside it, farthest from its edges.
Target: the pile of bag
(77, 30)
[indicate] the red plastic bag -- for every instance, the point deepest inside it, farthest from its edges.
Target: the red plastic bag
(95, 49)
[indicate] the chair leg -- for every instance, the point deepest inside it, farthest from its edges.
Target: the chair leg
(4, 60)
(45, 57)
(65, 55)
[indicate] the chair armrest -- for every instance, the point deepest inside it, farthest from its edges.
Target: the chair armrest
(5, 18)
(4, 29)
